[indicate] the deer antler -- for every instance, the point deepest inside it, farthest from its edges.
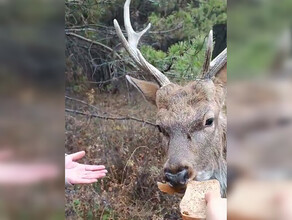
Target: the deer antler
(208, 55)
(131, 46)
(217, 63)
(211, 68)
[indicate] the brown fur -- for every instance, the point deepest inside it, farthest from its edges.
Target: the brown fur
(148, 89)
(182, 113)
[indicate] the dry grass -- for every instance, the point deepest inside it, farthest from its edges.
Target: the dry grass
(133, 155)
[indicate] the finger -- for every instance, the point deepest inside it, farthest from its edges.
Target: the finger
(100, 171)
(5, 154)
(22, 173)
(82, 181)
(94, 167)
(94, 175)
(77, 155)
(209, 196)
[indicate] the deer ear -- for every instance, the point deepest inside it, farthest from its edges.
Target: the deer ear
(221, 76)
(148, 89)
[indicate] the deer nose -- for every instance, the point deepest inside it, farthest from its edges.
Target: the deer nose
(177, 179)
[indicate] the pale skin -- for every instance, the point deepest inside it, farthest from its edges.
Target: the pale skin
(77, 173)
(216, 206)
(15, 172)
(23, 173)
(283, 205)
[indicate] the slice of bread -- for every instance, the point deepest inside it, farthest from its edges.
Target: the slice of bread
(164, 187)
(193, 204)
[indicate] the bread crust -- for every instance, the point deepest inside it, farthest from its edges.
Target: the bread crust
(164, 187)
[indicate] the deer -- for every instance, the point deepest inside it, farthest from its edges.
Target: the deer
(191, 118)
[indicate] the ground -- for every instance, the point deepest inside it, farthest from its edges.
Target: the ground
(131, 151)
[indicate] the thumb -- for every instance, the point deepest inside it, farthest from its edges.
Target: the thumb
(209, 196)
(77, 155)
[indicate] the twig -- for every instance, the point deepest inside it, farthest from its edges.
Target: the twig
(87, 28)
(109, 80)
(129, 160)
(91, 41)
(109, 117)
(101, 216)
(106, 81)
(179, 26)
(81, 29)
(85, 103)
(99, 44)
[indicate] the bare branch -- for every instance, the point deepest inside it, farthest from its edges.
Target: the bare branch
(102, 45)
(125, 167)
(125, 118)
(85, 103)
(111, 31)
(91, 41)
(179, 26)
(80, 29)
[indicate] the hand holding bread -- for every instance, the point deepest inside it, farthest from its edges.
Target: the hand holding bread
(202, 200)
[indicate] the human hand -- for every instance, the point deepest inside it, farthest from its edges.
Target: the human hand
(24, 173)
(76, 173)
(283, 205)
(216, 206)
(5, 154)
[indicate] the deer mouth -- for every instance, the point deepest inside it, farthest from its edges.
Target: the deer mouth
(178, 188)
(177, 180)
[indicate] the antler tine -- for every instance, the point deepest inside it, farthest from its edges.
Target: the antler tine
(133, 37)
(217, 63)
(160, 77)
(132, 43)
(208, 55)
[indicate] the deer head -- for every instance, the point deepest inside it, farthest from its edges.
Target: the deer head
(190, 117)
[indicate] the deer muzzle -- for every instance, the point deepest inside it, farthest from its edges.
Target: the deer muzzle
(178, 179)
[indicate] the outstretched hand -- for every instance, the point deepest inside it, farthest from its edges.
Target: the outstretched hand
(17, 172)
(76, 173)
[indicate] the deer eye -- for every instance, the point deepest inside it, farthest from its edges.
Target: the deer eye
(209, 121)
(159, 128)
(162, 130)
